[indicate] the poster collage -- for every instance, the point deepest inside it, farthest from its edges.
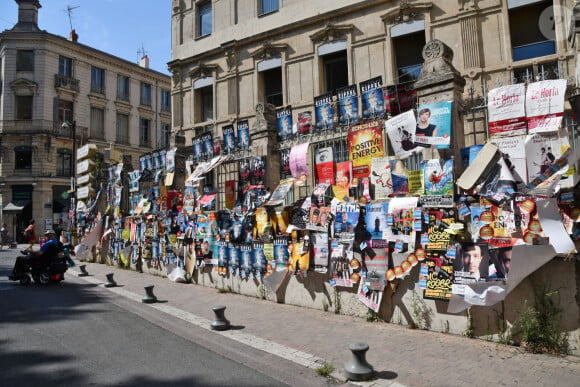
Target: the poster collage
(368, 221)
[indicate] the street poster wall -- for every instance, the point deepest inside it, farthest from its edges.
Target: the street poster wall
(434, 125)
(507, 111)
(365, 141)
(347, 105)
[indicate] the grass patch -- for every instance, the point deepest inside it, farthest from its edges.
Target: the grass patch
(325, 369)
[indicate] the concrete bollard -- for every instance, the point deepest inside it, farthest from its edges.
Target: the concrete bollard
(358, 369)
(220, 323)
(84, 272)
(149, 296)
(110, 281)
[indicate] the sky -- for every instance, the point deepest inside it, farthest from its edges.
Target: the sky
(119, 27)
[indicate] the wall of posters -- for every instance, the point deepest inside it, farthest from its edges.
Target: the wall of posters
(323, 159)
(324, 112)
(545, 105)
(365, 141)
(507, 112)
(373, 104)
(347, 105)
(243, 134)
(284, 122)
(229, 139)
(434, 125)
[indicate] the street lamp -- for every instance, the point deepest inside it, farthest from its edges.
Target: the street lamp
(73, 127)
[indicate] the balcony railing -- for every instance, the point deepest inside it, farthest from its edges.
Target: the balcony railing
(40, 127)
(66, 82)
(97, 89)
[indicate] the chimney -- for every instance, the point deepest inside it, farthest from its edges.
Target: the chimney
(73, 36)
(144, 62)
(27, 16)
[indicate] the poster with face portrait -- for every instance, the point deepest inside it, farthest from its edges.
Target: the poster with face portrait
(257, 170)
(472, 264)
(197, 148)
(284, 122)
(281, 254)
(401, 132)
(345, 220)
(304, 122)
(542, 151)
(434, 125)
(507, 112)
(545, 105)
(284, 162)
(207, 140)
(324, 112)
(259, 258)
(365, 141)
(323, 159)
(381, 180)
(373, 104)
(343, 180)
(347, 105)
(229, 139)
(243, 135)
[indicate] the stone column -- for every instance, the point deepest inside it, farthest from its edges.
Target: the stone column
(439, 81)
(264, 142)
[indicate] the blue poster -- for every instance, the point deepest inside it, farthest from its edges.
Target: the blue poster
(376, 219)
(207, 140)
(197, 149)
(243, 134)
(434, 125)
(373, 101)
(324, 112)
(284, 122)
(229, 139)
(347, 105)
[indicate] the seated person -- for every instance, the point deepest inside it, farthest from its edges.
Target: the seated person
(46, 253)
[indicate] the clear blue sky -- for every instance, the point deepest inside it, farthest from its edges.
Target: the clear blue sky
(118, 27)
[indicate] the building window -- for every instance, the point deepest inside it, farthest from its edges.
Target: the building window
(204, 19)
(97, 123)
(123, 87)
(267, 6)
(165, 135)
(165, 100)
(335, 69)
(145, 132)
(25, 60)
(408, 41)
(531, 29)
(24, 107)
(64, 162)
(65, 66)
(97, 80)
(65, 111)
(204, 99)
(145, 94)
(23, 157)
(122, 128)
(272, 86)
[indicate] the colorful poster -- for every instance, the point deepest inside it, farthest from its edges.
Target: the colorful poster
(197, 148)
(373, 104)
(438, 174)
(323, 159)
(416, 182)
(298, 164)
(347, 105)
(434, 125)
(284, 122)
(257, 170)
(243, 135)
(399, 174)
(401, 132)
(400, 98)
(345, 220)
(472, 264)
(207, 140)
(340, 267)
(439, 221)
(376, 219)
(299, 259)
(377, 263)
(401, 214)
(343, 180)
(507, 111)
(324, 112)
(280, 192)
(514, 155)
(304, 122)
(545, 105)
(229, 139)
(381, 180)
(439, 278)
(320, 251)
(542, 151)
(284, 162)
(320, 219)
(365, 141)
(230, 194)
(281, 254)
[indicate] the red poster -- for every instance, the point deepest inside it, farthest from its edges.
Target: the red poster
(230, 194)
(365, 141)
(324, 165)
(174, 200)
(343, 179)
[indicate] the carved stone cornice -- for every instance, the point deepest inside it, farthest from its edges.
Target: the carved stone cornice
(406, 12)
(203, 71)
(332, 32)
(269, 50)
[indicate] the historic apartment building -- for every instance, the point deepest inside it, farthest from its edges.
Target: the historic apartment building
(231, 56)
(47, 81)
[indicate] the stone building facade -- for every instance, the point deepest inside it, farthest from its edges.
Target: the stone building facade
(47, 80)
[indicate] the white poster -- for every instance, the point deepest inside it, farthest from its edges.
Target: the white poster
(401, 132)
(514, 154)
(542, 150)
(381, 179)
(545, 105)
(507, 113)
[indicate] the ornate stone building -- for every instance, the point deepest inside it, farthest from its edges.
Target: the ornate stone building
(47, 81)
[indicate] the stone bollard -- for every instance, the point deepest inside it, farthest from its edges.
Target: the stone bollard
(84, 272)
(110, 281)
(149, 296)
(220, 323)
(358, 369)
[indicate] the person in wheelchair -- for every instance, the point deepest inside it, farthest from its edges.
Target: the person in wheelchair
(46, 255)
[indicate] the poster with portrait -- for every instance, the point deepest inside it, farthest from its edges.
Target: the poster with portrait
(324, 112)
(438, 175)
(207, 140)
(345, 220)
(257, 170)
(229, 139)
(281, 254)
(284, 122)
(434, 125)
(365, 141)
(320, 219)
(259, 260)
(542, 151)
(243, 135)
(472, 264)
(244, 173)
(545, 105)
(381, 180)
(323, 159)
(376, 219)
(298, 163)
(373, 104)
(347, 105)
(343, 180)
(284, 162)
(197, 148)
(304, 122)
(401, 132)
(234, 260)
(320, 251)
(507, 111)
(400, 98)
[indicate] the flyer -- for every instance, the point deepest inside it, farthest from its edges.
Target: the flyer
(401, 132)
(434, 125)
(365, 141)
(545, 105)
(506, 109)
(323, 159)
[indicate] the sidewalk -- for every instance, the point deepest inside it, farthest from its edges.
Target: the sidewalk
(310, 337)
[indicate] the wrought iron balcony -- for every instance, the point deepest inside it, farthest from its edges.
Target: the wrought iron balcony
(40, 127)
(61, 81)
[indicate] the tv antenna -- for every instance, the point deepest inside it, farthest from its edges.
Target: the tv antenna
(69, 10)
(141, 52)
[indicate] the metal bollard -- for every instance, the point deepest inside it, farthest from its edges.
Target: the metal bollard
(84, 272)
(149, 296)
(220, 323)
(110, 281)
(358, 369)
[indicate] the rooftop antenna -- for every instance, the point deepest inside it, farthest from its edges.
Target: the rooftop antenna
(141, 52)
(69, 11)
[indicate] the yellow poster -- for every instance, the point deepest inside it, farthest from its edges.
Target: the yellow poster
(365, 141)
(416, 182)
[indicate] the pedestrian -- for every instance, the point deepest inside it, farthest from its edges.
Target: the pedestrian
(30, 236)
(4, 236)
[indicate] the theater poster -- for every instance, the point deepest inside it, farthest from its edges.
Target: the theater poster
(324, 112)
(373, 103)
(507, 110)
(545, 105)
(284, 122)
(257, 170)
(347, 105)
(244, 172)
(323, 158)
(229, 139)
(284, 162)
(207, 141)
(343, 180)
(365, 141)
(434, 125)
(243, 134)
(230, 194)
(197, 148)
(304, 122)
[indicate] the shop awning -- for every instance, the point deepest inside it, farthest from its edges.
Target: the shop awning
(15, 206)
